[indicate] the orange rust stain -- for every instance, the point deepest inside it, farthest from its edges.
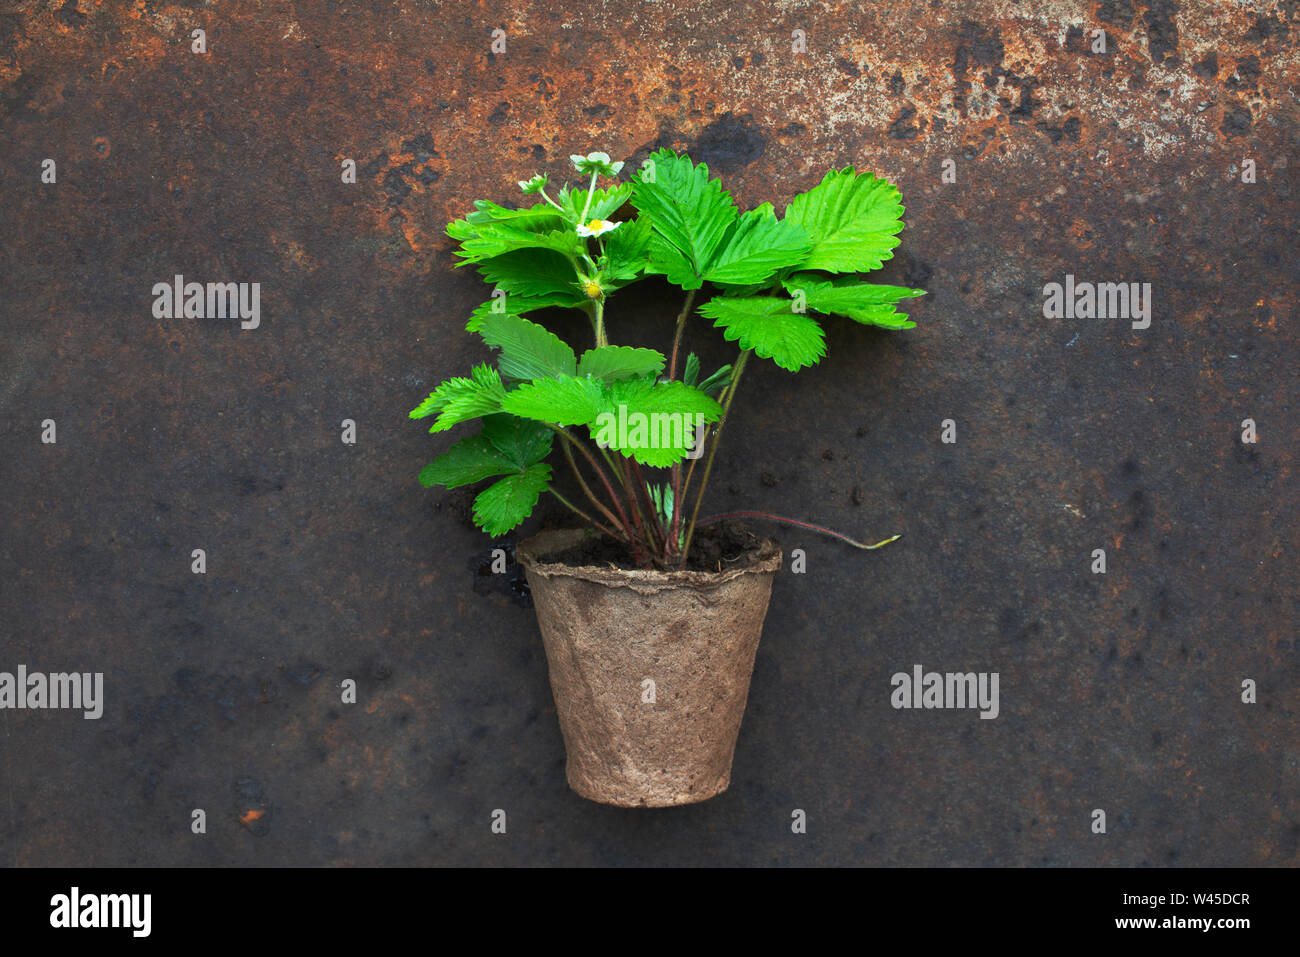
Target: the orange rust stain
(293, 250)
(412, 232)
(251, 815)
(1082, 234)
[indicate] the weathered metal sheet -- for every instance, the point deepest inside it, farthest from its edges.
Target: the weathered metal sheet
(327, 562)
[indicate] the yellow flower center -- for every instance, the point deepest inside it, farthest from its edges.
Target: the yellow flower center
(595, 224)
(592, 290)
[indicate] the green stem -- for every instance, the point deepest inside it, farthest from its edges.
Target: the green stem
(587, 205)
(713, 451)
(674, 541)
(604, 453)
(601, 339)
(542, 193)
(599, 526)
(677, 337)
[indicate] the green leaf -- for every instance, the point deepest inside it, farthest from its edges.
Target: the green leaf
(766, 325)
(530, 272)
(852, 219)
(506, 446)
(653, 422)
(742, 292)
(868, 303)
(689, 213)
(691, 374)
(661, 496)
(647, 395)
(564, 400)
(714, 384)
(493, 230)
(470, 460)
(504, 504)
(665, 260)
(460, 399)
(620, 362)
(539, 216)
(604, 202)
(669, 410)
(519, 441)
(481, 394)
(528, 351)
(433, 403)
(497, 239)
(758, 245)
(627, 251)
(520, 305)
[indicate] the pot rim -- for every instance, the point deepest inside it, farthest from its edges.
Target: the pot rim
(531, 554)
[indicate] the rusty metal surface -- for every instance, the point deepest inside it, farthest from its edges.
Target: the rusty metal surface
(328, 561)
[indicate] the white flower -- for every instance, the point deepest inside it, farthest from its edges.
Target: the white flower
(596, 163)
(596, 227)
(534, 185)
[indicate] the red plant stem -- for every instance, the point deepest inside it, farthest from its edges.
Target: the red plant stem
(586, 489)
(671, 539)
(784, 520)
(595, 464)
(636, 506)
(658, 541)
(622, 515)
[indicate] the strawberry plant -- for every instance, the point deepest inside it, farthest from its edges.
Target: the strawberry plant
(631, 423)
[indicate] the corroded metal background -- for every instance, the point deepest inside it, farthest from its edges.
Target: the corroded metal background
(328, 561)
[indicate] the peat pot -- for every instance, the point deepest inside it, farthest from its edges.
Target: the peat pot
(610, 632)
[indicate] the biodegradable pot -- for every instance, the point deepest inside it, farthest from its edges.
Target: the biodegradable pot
(608, 630)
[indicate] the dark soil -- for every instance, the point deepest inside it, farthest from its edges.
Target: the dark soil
(713, 548)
